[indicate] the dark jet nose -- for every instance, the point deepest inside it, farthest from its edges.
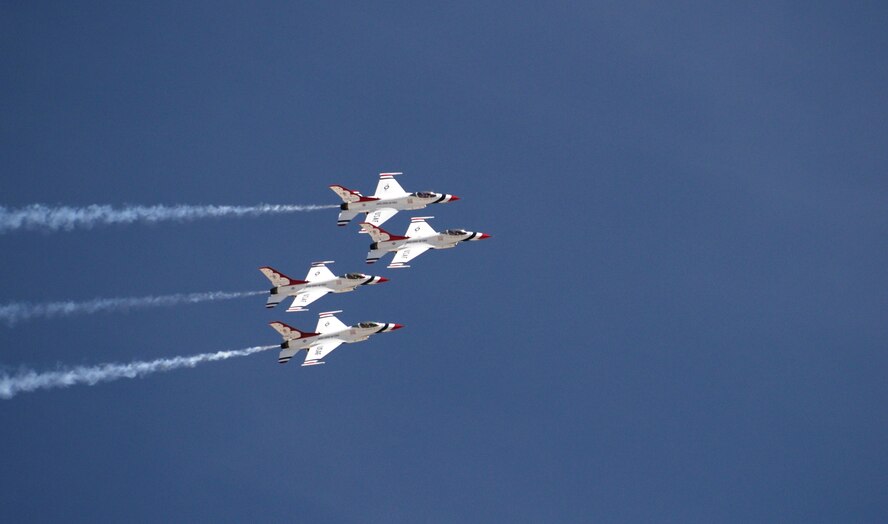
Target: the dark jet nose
(383, 279)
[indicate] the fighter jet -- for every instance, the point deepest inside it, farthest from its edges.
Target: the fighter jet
(388, 200)
(319, 281)
(330, 334)
(419, 238)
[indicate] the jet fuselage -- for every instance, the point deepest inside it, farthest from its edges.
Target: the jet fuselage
(440, 240)
(340, 284)
(350, 335)
(410, 202)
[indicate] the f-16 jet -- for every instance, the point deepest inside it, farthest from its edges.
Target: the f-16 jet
(329, 335)
(319, 281)
(419, 238)
(389, 198)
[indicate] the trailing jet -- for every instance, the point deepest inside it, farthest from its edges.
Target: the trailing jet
(330, 334)
(319, 281)
(390, 198)
(419, 238)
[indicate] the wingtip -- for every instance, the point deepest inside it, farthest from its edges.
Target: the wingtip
(297, 309)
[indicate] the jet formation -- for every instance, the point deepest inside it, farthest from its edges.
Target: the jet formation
(420, 237)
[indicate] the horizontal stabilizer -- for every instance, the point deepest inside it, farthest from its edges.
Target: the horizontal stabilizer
(346, 216)
(286, 355)
(375, 254)
(274, 300)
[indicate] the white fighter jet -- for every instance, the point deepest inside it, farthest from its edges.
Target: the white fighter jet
(419, 238)
(388, 200)
(319, 281)
(330, 334)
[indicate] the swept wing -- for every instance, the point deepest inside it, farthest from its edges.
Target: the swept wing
(318, 351)
(388, 187)
(408, 253)
(305, 298)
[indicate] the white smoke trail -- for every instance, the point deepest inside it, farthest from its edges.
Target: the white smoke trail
(19, 311)
(28, 380)
(48, 218)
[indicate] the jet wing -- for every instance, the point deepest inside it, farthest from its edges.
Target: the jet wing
(319, 271)
(419, 228)
(388, 187)
(303, 299)
(408, 253)
(381, 215)
(318, 351)
(327, 322)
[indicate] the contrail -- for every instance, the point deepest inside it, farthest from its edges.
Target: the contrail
(49, 218)
(28, 380)
(19, 311)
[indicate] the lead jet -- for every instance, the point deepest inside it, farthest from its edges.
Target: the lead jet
(389, 198)
(419, 238)
(319, 281)
(329, 335)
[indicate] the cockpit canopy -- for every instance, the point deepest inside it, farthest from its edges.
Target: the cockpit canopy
(424, 194)
(456, 232)
(354, 276)
(368, 324)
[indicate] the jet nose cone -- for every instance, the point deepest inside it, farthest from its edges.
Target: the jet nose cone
(383, 279)
(454, 198)
(397, 326)
(483, 236)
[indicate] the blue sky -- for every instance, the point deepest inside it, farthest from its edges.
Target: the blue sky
(680, 316)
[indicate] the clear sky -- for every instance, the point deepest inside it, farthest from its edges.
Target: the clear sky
(681, 316)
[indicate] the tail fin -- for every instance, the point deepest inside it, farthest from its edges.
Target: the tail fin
(347, 195)
(378, 234)
(279, 279)
(289, 332)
